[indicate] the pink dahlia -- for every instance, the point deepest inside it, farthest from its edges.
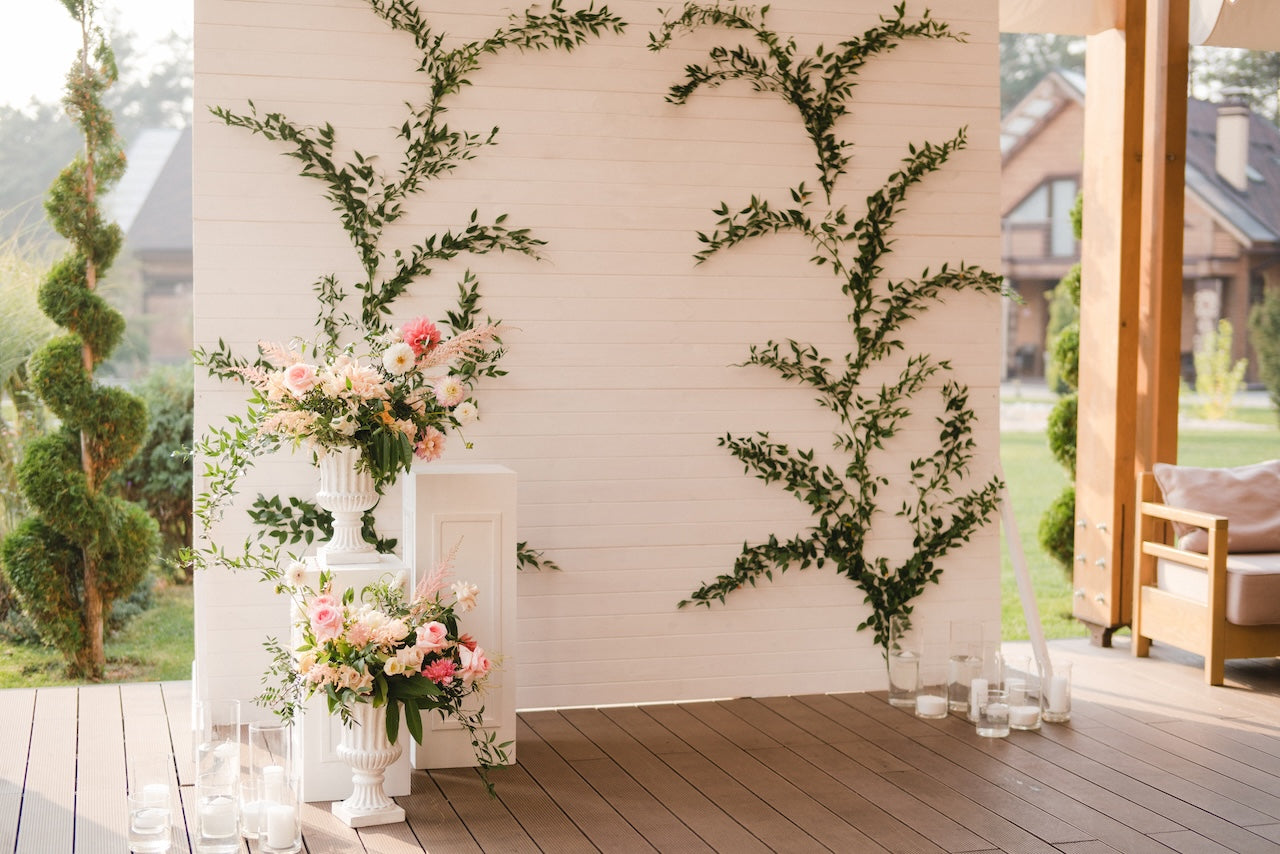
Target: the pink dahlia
(420, 334)
(431, 446)
(440, 671)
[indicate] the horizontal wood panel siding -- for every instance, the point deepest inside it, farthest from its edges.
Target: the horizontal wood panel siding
(622, 350)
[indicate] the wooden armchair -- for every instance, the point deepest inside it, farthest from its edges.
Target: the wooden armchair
(1189, 599)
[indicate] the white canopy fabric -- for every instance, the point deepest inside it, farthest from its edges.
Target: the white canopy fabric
(1252, 24)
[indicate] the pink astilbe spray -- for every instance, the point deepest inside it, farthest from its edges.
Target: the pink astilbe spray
(432, 584)
(470, 342)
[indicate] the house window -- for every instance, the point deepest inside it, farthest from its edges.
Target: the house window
(1050, 205)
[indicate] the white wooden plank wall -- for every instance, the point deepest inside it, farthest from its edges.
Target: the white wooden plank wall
(621, 350)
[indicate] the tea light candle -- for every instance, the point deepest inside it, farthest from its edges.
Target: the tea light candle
(1024, 716)
(150, 818)
(281, 826)
(1059, 694)
(977, 691)
(218, 817)
(928, 705)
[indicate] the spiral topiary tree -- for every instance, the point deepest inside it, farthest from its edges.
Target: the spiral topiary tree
(82, 548)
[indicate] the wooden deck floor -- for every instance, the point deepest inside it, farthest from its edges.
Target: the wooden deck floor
(1153, 760)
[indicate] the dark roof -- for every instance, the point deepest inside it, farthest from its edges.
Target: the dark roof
(1255, 212)
(163, 222)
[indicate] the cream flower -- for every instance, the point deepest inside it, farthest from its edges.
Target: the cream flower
(294, 573)
(466, 412)
(398, 359)
(450, 391)
(466, 593)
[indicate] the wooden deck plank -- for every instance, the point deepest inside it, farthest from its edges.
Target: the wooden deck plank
(16, 708)
(47, 821)
(690, 722)
(703, 816)
(487, 819)
(547, 825)
(178, 710)
(322, 833)
(633, 802)
(594, 816)
(102, 825)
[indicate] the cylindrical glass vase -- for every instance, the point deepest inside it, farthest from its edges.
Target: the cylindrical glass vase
(903, 658)
(1057, 692)
(270, 810)
(151, 801)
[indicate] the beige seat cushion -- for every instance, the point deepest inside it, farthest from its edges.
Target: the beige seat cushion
(1248, 496)
(1253, 586)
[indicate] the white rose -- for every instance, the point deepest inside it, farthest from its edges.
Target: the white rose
(466, 595)
(344, 425)
(466, 412)
(393, 667)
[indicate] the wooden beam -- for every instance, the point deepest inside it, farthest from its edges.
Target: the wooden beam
(1160, 248)
(1108, 323)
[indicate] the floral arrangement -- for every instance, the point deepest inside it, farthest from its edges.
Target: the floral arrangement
(394, 404)
(383, 648)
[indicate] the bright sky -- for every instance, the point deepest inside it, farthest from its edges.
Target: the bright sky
(39, 39)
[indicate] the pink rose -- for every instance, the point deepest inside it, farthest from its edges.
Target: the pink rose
(326, 622)
(299, 378)
(475, 664)
(432, 637)
(420, 334)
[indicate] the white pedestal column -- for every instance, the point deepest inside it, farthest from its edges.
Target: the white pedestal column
(325, 777)
(474, 504)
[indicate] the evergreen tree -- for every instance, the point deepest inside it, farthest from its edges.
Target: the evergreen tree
(82, 548)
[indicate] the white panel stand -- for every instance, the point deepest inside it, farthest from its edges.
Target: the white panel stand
(474, 504)
(325, 777)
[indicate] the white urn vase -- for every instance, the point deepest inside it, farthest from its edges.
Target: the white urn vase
(365, 747)
(346, 493)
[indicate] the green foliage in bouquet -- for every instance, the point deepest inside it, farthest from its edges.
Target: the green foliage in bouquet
(83, 547)
(368, 200)
(942, 511)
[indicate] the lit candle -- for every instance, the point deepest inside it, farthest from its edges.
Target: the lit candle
(930, 706)
(1024, 716)
(1059, 694)
(281, 826)
(977, 695)
(218, 817)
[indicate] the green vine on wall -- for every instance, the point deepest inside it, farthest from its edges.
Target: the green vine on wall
(942, 510)
(368, 199)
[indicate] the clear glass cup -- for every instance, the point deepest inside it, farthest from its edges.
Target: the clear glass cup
(903, 658)
(993, 714)
(931, 693)
(150, 802)
(1057, 692)
(1022, 683)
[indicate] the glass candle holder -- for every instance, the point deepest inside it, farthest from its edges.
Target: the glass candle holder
(903, 657)
(270, 808)
(150, 802)
(931, 694)
(1057, 692)
(964, 663)
(217, 819)
(1022, 683)
(993, 714)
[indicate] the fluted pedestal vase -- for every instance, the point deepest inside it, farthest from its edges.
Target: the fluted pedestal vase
(365, 747)
(346, 493)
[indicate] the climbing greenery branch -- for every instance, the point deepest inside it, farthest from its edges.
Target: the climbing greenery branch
(818, 86)
(369, 198)
(940, 506)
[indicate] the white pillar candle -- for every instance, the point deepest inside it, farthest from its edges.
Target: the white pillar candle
(218, 817)
(155, 795)
(1024, 716)
(273, 784)
(977, 694)
(1017, 689)
(281, 826)
(1059, 694)
(930, 706)
(251, 817)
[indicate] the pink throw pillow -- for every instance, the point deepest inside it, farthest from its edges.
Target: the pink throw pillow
(1249, 496)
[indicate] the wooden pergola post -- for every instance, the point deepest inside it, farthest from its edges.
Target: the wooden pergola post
(1109, 298)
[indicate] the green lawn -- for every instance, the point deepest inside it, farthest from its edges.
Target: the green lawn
(1035, 480)
(157, 645)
